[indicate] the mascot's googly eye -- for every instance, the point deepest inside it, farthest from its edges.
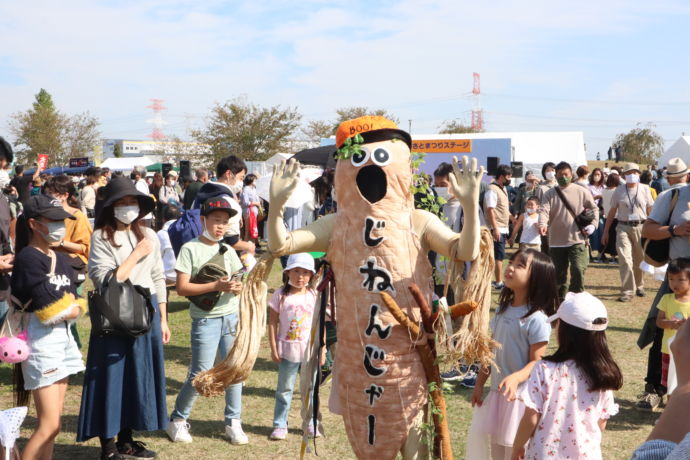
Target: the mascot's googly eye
(381, 156)
(358, 159)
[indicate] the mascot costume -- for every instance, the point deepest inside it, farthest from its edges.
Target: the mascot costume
(377, 245)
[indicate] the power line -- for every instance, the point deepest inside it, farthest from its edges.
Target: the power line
(586, 101)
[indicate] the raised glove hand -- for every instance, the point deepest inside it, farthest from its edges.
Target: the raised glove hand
(465, 182)
(284, 181)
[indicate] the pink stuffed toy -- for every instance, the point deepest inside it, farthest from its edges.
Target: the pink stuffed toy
(14, 349)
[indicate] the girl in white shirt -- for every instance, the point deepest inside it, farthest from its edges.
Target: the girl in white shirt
(528, 221)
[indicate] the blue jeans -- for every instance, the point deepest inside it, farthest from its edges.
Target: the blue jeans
(209, 336)
(287, 373)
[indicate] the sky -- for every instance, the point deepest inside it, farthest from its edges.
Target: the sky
(600, 67)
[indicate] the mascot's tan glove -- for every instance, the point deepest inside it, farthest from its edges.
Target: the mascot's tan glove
(464, 184)
(284, 181)
(313, 237)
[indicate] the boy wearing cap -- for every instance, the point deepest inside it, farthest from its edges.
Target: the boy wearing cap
(631, 204)
(213, 330)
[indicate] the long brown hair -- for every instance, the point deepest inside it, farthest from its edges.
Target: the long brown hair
(591, 354)
(156, 183)
(107, 222)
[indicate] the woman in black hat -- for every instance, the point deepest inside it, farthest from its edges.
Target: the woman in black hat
(124, 384)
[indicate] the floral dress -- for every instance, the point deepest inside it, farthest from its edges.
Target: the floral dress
(570, 413)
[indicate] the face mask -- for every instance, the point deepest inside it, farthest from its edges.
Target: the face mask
(550, 175)
(209, 236)
(563, 181)
(172, 183)
(632, 178)
(442, 192)
(126, 214)
(56, 232)
(236, 188)
(530, 210)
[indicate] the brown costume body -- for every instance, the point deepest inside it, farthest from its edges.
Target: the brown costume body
(381, 381)
(378, 243)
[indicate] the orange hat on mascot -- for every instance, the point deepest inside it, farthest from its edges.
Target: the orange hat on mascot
(372, 128)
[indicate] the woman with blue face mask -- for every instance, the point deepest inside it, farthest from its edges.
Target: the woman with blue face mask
(124, 384)
(44, 284)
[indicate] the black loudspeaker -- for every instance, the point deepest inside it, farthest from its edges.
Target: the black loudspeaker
(517, 168)
(185, 168)
(166, 167)
(491, 165)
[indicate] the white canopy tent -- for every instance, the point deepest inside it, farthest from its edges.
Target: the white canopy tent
(126, 164)
(680, 149)
(533, 148)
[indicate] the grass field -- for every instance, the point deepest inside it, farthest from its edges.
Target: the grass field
(624, 432)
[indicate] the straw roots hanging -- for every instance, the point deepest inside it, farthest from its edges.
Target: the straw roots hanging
(471, 341)
(238, 364)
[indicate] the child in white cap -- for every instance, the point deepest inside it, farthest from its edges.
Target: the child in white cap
(289, 324)
(569, 394)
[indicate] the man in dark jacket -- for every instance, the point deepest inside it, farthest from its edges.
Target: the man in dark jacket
(193, 189)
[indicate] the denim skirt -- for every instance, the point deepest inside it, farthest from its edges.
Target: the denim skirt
(54, 354)
(124, 384)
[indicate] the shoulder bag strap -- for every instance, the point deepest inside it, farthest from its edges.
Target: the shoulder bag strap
(674, 200)
(18, 305)
(571, 211)
(53, 262)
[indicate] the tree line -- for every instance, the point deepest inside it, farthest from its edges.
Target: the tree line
(236, 127)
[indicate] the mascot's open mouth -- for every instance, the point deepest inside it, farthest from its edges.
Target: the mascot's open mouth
(372, 183)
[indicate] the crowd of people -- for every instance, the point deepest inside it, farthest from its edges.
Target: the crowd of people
(57, 231)
(565, 222)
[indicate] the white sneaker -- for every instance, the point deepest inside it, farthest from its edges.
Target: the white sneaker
(178, 431)
(235, 433)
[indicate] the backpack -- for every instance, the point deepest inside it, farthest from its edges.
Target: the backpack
(185, 228)
(188, 225)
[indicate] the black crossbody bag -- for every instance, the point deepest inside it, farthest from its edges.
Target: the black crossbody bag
(656, 251)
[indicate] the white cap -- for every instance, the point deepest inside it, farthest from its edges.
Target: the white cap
(301, 260)
(172, 172)
(580, 310)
